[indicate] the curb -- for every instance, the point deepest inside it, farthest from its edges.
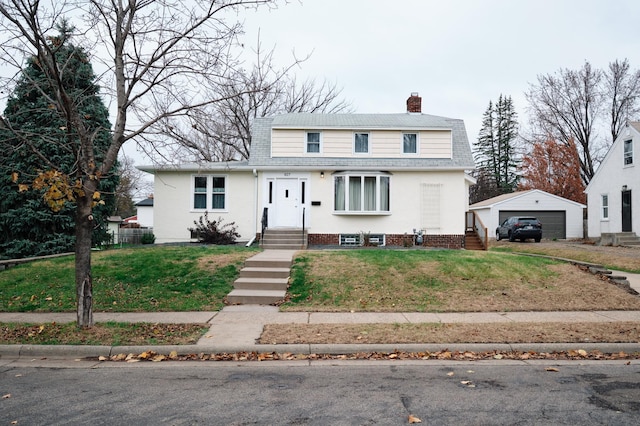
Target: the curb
(70, 351)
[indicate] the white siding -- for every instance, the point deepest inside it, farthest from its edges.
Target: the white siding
(611, 176)
(405, 204)
(382, 143)
(145, 216)
(173, 205)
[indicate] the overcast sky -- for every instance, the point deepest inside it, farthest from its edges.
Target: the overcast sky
(457, 54)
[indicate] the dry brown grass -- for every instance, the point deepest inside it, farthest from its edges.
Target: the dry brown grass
(561, 287)
(478, 282)
(623, 258)
(618, 332)
(215, 261)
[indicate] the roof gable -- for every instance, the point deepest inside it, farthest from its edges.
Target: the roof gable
(500, 199)
(633, 131)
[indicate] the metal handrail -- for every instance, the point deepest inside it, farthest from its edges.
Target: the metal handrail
(303, 211)
(265, 223)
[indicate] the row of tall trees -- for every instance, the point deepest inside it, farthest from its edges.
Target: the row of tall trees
(495, 151)
(574, 117)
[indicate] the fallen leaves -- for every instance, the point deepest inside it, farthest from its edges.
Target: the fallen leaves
(414, 419)
(396, 355)
(139, 334)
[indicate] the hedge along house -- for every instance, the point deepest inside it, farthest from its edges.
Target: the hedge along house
(334, 177)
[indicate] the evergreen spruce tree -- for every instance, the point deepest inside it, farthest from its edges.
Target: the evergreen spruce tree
(28, 225)
(495, 149)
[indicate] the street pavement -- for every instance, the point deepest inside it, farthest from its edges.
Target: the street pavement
(237, 328)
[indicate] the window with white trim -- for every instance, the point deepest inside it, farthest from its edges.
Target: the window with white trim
(209, 192)
(313, 142)
(361, 143)
(362, 193)
(409, 143)
(605, 206)
(628, 152)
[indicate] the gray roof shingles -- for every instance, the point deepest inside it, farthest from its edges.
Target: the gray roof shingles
(261, 141)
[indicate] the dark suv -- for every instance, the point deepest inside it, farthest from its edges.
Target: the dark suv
(520, 228)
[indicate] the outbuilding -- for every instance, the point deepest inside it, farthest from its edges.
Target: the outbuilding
(561, 218)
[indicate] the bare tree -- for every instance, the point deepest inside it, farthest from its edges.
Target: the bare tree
(158, 54)
(574, 105)
(222, 131)
(565, 105)
(622, 91)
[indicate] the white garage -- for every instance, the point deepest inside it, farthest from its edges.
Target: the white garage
(561, 218)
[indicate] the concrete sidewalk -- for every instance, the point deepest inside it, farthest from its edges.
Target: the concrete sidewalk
(236, 329)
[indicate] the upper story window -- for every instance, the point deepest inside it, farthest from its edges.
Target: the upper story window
(361, 143)
(209, 192)
(605, 206)
(362, 193)
(628, 152)
(313, 142)
(409, 143)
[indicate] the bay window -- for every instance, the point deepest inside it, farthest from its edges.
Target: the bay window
(361, 192)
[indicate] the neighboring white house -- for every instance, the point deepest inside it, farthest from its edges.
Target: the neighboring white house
(611, 198)
(561, 218)
(335, 174)
(144, 212)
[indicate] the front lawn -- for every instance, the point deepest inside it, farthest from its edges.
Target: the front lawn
(445, 281)
(151, 279)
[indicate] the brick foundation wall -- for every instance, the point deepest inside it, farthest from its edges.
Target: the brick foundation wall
(323, 239)
(443, 241)
(401, 240)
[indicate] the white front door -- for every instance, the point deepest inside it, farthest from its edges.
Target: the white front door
(288, 211)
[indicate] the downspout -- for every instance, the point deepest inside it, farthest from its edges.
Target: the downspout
(255, 207)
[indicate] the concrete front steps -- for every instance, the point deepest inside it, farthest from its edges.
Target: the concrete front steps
(619, 239)
(284, 239)
(263, 279)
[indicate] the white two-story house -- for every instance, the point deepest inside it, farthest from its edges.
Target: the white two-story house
(339, 176)
(613, 195)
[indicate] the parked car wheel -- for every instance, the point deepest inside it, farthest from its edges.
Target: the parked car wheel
(538, 240)
(497, 236)
(511, 238)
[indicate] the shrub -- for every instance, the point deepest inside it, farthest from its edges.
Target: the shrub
(148, 238)
(214, 232)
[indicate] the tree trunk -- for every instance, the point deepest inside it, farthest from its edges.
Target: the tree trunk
(84, 281)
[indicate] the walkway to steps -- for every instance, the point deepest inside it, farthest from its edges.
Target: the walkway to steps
(263, 279)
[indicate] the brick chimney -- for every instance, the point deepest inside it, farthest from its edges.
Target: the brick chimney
(414, 103)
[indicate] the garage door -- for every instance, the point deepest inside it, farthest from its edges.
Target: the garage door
(554, 223)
